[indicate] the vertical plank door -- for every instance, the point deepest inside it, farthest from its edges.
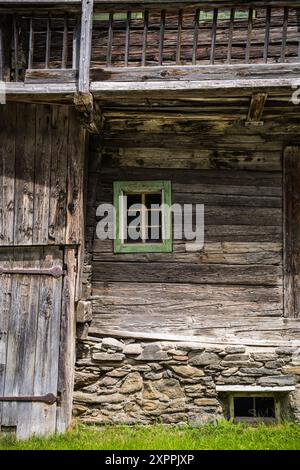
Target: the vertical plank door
(32, 310)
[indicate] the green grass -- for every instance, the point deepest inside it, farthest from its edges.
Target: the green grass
(224, 435)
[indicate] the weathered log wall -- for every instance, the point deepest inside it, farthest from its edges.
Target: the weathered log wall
(233, 288)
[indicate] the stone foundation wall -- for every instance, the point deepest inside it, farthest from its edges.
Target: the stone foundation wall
(127, 381)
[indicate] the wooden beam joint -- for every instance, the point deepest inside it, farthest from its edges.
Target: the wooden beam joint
(89, 111)
(256, 109)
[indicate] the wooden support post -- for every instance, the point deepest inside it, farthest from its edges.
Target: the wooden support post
(85, 46)
(256, 109)
(291, 231)
(90, 114)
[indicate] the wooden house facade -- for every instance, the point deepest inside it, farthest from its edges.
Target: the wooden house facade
(189, 103)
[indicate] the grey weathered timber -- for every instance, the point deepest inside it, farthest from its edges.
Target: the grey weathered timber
(67, 343)
(50, 76)
(45, 147)
(85, 45)
(97, 88)
(7, 173)
(199, 72)
(291, 231)
(32, 341)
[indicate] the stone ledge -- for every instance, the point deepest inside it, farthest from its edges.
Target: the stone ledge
(254, 388)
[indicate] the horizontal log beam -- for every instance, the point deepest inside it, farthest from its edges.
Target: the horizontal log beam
(97, 88)
(195, 73)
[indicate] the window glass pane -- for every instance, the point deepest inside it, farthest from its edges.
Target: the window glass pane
(265, 407)
(244, 407)
(133, 199)
(154, 218)
(153, 199)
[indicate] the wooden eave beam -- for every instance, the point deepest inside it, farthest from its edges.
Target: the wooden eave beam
(185, 86)
(239, 87)
(256, 109)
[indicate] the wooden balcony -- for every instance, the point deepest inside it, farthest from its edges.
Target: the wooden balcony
(163, 44)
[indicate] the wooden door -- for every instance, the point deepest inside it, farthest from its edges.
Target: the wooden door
(36, 339)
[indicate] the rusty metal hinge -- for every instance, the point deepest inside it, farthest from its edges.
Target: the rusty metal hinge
(49, 399)
(55, 271)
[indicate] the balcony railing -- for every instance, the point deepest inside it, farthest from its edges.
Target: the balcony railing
(39, 42)
(191, 36)
(48, 44)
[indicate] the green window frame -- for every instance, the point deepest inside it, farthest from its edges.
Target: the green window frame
(143, 187)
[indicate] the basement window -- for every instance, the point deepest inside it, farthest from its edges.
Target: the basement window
(254, 408)
(143, 216)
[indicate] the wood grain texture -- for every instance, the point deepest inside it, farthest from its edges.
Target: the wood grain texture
(292, 231)
(43, 150)
(31, 321)
(67, 343)
(231, 290)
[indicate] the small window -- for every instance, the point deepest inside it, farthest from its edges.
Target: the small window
(253, 408)
(143, 216)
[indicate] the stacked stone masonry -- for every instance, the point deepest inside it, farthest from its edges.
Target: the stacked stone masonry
(128, 381)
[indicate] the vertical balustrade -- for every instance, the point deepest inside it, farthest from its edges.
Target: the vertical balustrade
(110, 38)
(161, 37)
(145, 37)
(16, 48)
(214, 36)
(179, 34)
(196, 36)
(127, 40)
(249, 35)
(284, 34)
(64, 58)
(267, 35)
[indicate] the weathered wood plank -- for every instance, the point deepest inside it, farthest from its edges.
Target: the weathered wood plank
(214, 178)
(21, 344)
(197, 72)
(130, 155)
(292, 231)
(85, 45)
(24, 176)
(193, 273)
(7, 173)
(50, 76)
(212, 253)
(75, 171)
(5, 309)
(47, 345)
(67, 344)
(58, 190)
(42, 175)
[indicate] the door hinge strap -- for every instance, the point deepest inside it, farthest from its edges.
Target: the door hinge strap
(55, 271)
(49, 398)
